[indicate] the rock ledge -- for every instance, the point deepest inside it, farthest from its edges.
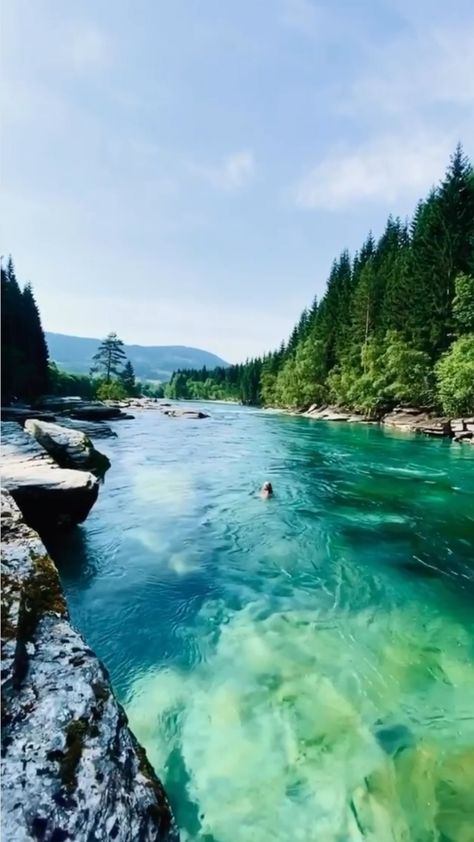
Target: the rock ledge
(71, 768)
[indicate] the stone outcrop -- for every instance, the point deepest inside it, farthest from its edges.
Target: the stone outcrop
(22, 413)
(49, 496)
(69, 448)
(407, 419)
(333, 413)
(418, 421)
(71, 768)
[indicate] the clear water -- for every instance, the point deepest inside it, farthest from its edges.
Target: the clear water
(300, 668)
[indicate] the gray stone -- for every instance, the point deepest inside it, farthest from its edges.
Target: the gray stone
(185, 413)
(94, 411)
(48, 496)
(465, 435)
(69, 448)
(71, 768)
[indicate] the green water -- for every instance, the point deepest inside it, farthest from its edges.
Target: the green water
(300, 668)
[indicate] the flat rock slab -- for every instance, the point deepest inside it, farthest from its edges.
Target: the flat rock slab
(21, 414)
(69, 448)
(71, 768)
(49, 496)
(93, 429)
(95, 412)
(332, 413)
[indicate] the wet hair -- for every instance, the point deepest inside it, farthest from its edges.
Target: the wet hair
(267, 486)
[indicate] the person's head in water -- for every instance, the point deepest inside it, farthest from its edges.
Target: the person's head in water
(267, 489)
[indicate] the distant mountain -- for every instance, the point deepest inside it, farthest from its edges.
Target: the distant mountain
(153, 362)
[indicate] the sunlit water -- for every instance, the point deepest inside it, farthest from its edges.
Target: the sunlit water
(300, 668)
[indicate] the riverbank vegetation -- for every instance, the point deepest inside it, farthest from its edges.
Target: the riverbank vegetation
(395, 324)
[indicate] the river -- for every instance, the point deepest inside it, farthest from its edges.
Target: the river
(299, 668)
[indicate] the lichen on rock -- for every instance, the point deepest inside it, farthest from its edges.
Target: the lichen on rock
(71, 768)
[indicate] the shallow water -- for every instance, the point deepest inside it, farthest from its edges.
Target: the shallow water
(300, 668)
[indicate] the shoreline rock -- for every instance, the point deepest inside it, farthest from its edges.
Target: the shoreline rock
(69, 448)
(406, 419)
(50, 497)
(71, 768)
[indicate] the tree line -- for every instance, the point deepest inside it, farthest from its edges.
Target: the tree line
(394, 326)
(27, 372)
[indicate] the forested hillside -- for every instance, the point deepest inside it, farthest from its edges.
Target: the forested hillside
(395, 324)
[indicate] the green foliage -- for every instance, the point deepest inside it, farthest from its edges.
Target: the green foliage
(455, 375)
(109, 358)
(64, 384)
(24, 351)
(113, 391)
(385, 318)
(150, 390)
(463, 303)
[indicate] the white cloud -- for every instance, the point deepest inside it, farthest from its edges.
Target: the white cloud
(431, 67)
(87, 48)
(233, 173)
(384, 169)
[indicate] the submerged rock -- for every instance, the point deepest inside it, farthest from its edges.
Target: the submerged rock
(48, 496)
(71, 768)
(69, 448)
(185, 413)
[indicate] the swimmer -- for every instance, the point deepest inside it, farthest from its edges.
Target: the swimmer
(267, 490)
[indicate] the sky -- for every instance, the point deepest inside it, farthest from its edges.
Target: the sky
(185, 172)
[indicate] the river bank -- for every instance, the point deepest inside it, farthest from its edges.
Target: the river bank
(71, 767)
(405, 419)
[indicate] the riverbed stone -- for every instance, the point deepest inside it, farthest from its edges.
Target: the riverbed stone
(49, 497)
(71, 768)
(69, 448)
(185, 413)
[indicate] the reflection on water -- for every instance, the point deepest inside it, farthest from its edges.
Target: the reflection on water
(297, 668)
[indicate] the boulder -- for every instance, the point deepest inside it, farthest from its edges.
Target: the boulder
(95, 411)
(185, 413)
(465, 435)
(71, 768)
(410, 420)
(48, 496)
(69, 448)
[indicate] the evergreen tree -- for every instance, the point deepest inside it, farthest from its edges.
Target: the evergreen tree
(110, 357)
(25, 372)
(127, 379)
(35, 345)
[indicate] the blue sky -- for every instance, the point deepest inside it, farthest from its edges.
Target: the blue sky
(184, 172)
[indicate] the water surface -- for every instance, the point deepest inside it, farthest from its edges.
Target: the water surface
(300, 668)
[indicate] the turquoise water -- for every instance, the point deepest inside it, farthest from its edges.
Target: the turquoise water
(300, 668)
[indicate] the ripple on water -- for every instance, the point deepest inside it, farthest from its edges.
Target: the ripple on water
(299, 668)
(295, 729)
